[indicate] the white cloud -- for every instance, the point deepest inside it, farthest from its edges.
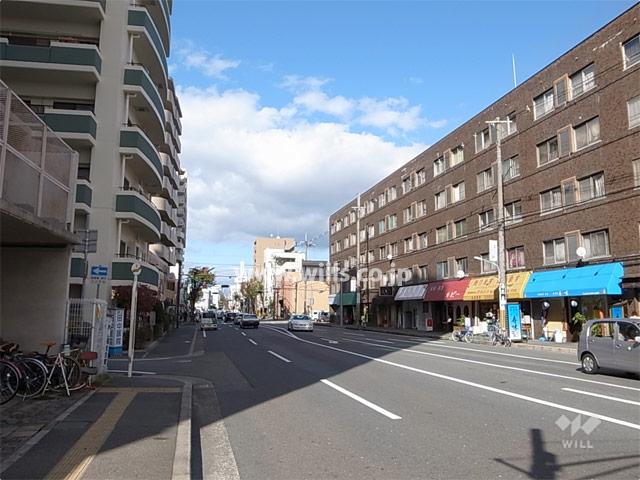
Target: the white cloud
(318, 101)
(390, 113)
(201, 60)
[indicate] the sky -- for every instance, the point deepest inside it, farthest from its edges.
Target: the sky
(292, 108)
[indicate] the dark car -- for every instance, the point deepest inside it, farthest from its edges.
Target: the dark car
(230, 317)
(248, 320)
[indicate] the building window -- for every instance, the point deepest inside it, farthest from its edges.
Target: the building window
(438, 166)
(440, 200)
(381, 226)
(460, 228)
(338, 225)
(406, 185)
(441, 234)
(583, 81)
(370, 257)
(345, 243)
(462, 264)
(515, 257)
(486, 179)
(596, 244)
(423, 240)
(371, 230)
(394, 249)
(407, 215)
(483, 139)
(591, 187)
(550, 200)
(352, 239)
(510, 168)
(382, 252)
(510, 127)
(560, 91)
(631, 51)
(382, 200)
(392, 194)
(587, 133)
(633, 112)
(548, 151)
(421, 177)
(408, 245)
(513, 212)
(369, 207)
(338, 246)
(442, 270)
(487, 220)
(392, 221)
(457, 155)
(346, 221)
(333, 228)
(421, 208)
(636, 173)
(554, 251)
(424, 272)
(543, 104)
(485, 265)
(457, 192)
(352, 216)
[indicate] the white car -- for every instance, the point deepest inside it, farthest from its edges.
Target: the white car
(300, 322)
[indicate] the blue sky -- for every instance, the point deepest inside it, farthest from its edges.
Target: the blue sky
(291, 108)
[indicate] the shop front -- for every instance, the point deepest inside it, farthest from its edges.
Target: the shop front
(412, 308)
(566, 298)
(344, 304)
(446, 303)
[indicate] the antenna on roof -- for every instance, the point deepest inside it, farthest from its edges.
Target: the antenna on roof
(513, 63)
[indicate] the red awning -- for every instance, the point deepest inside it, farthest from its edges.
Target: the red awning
(446, 290)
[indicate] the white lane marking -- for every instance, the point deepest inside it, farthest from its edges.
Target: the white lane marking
(193, 341)
(204, 334)
(358, 398)
(134, 371)
(352, 334)
(526, 398)
(183, 361)
(606, 397)
(243, 334)
(376, 340)
(252, 341)
(329, 340)
(506, 367)
(279, 356)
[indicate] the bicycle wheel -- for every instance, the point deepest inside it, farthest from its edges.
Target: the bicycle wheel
(34, 377)
(507, 342)
(9, 381)
(72, 374)
(468, 337)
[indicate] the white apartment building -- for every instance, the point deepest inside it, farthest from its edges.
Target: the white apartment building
(96, 73)
(277, 262)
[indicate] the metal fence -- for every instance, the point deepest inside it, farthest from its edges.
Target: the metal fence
(87, 327)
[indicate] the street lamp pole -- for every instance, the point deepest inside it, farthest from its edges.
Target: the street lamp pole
(136, 268)
(358, 211)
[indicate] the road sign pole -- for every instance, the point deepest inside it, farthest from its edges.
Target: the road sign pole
(135, 269)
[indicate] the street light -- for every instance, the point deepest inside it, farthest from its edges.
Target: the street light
(136, 268)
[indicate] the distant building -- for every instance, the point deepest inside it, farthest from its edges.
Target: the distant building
(261, 244)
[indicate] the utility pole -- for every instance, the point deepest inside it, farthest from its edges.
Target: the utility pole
(502, 271)
(358, 210)
(304, 276)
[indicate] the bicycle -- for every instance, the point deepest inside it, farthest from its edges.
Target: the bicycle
(462, 335)
(33, 372)
(500, 336)
(9, 381)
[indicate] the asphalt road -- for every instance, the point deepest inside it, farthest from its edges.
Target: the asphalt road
(337, 403)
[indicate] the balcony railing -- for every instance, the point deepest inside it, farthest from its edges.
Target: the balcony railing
(84, 193)
(121, 270)
(133, 140)
(139, 17)
(137, 76)
(81, 122)
(137, 207)
(56, 53)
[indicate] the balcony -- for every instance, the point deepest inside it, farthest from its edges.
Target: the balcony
(168, 191)
(84, 195)
(160, 14)
(166, 254)
(146, 102)
(141, 213)
(168, 235)
(145, 159)
(55, 11)
(78, 127)
(167, 212)
(121, 272)
(148, 48)
(168, 148)
(59, 62)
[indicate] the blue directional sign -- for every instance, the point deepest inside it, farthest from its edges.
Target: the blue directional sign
(99, 272)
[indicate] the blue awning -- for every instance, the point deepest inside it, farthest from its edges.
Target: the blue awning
(574, 282)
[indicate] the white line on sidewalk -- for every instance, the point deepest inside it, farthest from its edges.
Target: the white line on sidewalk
(358, 398)
(279, 356)
(252, 341)
(606, 397)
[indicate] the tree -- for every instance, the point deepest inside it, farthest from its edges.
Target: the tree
(250, 291)
(198, 278)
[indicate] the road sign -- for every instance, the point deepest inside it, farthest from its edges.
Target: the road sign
(99, 272)
(493, 250)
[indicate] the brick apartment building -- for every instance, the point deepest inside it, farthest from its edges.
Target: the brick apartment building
(571, 176)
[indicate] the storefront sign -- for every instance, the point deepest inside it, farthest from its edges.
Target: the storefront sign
(515, 322)
(447, 290)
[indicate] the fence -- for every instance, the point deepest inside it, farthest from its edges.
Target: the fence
(87, 327)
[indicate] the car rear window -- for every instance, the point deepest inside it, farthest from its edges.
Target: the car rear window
(601, 330)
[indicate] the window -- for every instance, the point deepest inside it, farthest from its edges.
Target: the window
(487, 220)
(462, 264)
(407, 215)
(421, 208)
(483, 139)
(338, 225)
(352, 239)
(392, 194)
(633, 112)
(352, 216)
(550, 200)
(560, 91)
(587, 133)
(548, 151)
(554, 251)
(338, 246)
(568, 191)
(423, 240)
(392, 221)
(369, 207)
(441, 234)
(438, 166)
(583, 81)
(442, 270)
(564, 141)
(486, 179)
(510, 168)
(636, 173)
(487, 266)
(421, 177)
(423, 272)
(345, 243)
(591, 187)
(457, 155)
(513, 212)
(440, 200)
(543, 104)
(333, 247)
(511, 127)
(408, 245)
(515, 257)
(631, 51)
(596, 244)
(382, 200)
(406, 185)
(382, 253)
(460, 228)
(381, 226)
(457, 192)
(370, 256)
(394, 249)
(601, 330)
(346, 221)
(333, 228)
(363, 235)
(371, 231)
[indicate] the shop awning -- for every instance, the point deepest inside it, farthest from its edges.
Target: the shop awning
(446, 290)
(345, 299)
(573, 282)
(486, 288)
(411, 292)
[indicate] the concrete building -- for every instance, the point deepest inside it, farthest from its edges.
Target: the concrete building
(278, 262)
(571, 175)
(37, 193)
(303, 294)
(261, 244)
(96, 73)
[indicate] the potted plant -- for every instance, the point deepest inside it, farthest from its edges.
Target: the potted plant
(459, 325)
(576, 325)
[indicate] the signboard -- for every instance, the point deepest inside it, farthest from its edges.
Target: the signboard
(514, 321)
(386, 291)
(493, 250)
(617, 312)
(429, 324)
(99, 272)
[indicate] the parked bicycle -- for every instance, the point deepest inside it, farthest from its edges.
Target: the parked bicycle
(499, 336)
(462, 335)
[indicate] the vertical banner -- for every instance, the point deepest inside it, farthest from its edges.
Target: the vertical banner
(515, 321)
(617, 312)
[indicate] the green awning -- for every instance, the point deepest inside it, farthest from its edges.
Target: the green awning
(345, 299)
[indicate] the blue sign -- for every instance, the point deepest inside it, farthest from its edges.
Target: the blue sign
(617, 312)
(99, 272)
(514, 321)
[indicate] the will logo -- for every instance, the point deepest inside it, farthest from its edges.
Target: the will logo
(576, 426)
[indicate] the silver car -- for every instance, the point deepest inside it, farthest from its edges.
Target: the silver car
(300, 322)
(610, 343)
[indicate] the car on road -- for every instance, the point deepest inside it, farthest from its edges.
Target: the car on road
(611, 344)
(300, 322)
(208, 322)
(249, 320)
(230, 317)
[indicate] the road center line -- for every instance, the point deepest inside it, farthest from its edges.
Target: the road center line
(358, 398)
(606, 397)
(253, 341)
(243, 334)
(279, 356)
(376, 340)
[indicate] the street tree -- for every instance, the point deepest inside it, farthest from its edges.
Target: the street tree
(198, 279)
(250, 291)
